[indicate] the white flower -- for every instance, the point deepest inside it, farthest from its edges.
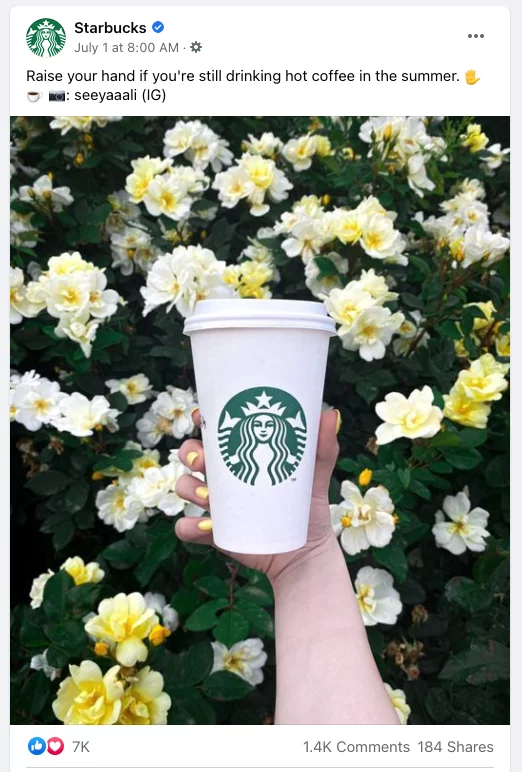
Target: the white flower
(379, 238)
(102, 302)
(166, 196)
(135, 389)
(80, 329)
(22, 232)
(398, 700)
(363, 521)
(81, 416)
(119, 508)
(158, 603)
(37, 403)
(253, 178)
(131, 247)
(376, 285)
(151, 428)
(177, 406)
(480, 244)
(372, 331)
(407, 332)
(306, 239)
(267, 145)
(42, 192)
(65, 123)
(37, 588)
(320, 286)
(246, 659)
(466, 527)
(20, 304)
(183, 277)
(346, 305)
(299, 152)
(199, 144)
(495, 157)
(411, 417)
(378, 600)
(144, 171)
(39, 662)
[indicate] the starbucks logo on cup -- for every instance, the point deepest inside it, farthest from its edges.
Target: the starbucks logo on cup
(262, 435)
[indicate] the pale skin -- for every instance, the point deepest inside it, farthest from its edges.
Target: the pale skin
(326, 673)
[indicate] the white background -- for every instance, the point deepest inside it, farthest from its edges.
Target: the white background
(406, 38)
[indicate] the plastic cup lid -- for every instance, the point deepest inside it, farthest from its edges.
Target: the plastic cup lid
(285, 314)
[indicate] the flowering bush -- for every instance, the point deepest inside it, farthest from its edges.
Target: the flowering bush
(118, 228)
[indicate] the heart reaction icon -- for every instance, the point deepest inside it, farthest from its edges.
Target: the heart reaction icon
(55, 746)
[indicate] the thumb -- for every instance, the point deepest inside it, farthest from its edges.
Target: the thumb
(327, 452)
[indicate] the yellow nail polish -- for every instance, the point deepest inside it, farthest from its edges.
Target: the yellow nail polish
(339, 422)
(191, 458)
(205, 525)
(202, 492)
(193, 411)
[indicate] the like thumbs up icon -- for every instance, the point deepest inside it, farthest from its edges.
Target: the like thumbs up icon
(471, 77)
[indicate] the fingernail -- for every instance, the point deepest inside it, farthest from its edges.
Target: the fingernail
(193, 411)
(339, 422)
(202, 492)
(205, 525)
(191, 458)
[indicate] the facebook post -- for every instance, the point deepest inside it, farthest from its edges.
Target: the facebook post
(259, 388)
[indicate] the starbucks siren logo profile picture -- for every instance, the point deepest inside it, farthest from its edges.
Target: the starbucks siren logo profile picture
(45, 37)
(262, 435)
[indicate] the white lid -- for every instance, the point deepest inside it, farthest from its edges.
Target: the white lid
(286, 314)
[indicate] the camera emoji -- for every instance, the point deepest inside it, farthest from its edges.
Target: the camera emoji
(56, 96)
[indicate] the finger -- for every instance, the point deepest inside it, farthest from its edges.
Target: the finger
(192, 489)
(327, 451)
(194, 529)
(196, 416)
(192, 455)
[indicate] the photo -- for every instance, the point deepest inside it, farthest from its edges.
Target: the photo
(259, 402)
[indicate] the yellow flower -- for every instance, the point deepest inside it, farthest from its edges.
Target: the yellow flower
(97, 476)
(365, 477)
(398, 700)
(483, 381)
(489, 311)
(322, 146)
(82, 573)
(145, 702)
(461, 410)
(474, 138)
(158, 634)
(89, 697)
(503, 345)
(101, 649)
(124, 621)
(252, 277)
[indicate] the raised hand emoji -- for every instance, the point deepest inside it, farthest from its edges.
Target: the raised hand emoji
(471, 77)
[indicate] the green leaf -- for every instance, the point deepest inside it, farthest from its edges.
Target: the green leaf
(35, 693)
(225, 686)
(472, 438)
(468, 594)
(462, 458)
(188, 668)
(122, 553)
(405, 477)
(450, 330)
(438, 705)
(497, 472)
(76, 495)
(157, 553)
(368, 391)
(412, 300)
(478, 665)
(445, 439)
(261, 621)
(55, 595)
(213, 586)
(205, 617)
(186, 600)
(231, 628)
(393, 558)
(70, 637)
(48, 483)
(254, 595)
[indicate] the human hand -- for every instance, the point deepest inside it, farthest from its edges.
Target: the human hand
(320, 533)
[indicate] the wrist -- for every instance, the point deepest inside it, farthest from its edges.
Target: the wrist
(310, 565)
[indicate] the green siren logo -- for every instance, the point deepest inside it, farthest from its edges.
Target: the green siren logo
(45, 37)
(262, 435)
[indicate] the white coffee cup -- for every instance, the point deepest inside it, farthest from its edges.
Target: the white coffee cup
(260, 367)
(34, 96)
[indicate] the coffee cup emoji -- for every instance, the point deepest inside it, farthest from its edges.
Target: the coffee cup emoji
(34, 96)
